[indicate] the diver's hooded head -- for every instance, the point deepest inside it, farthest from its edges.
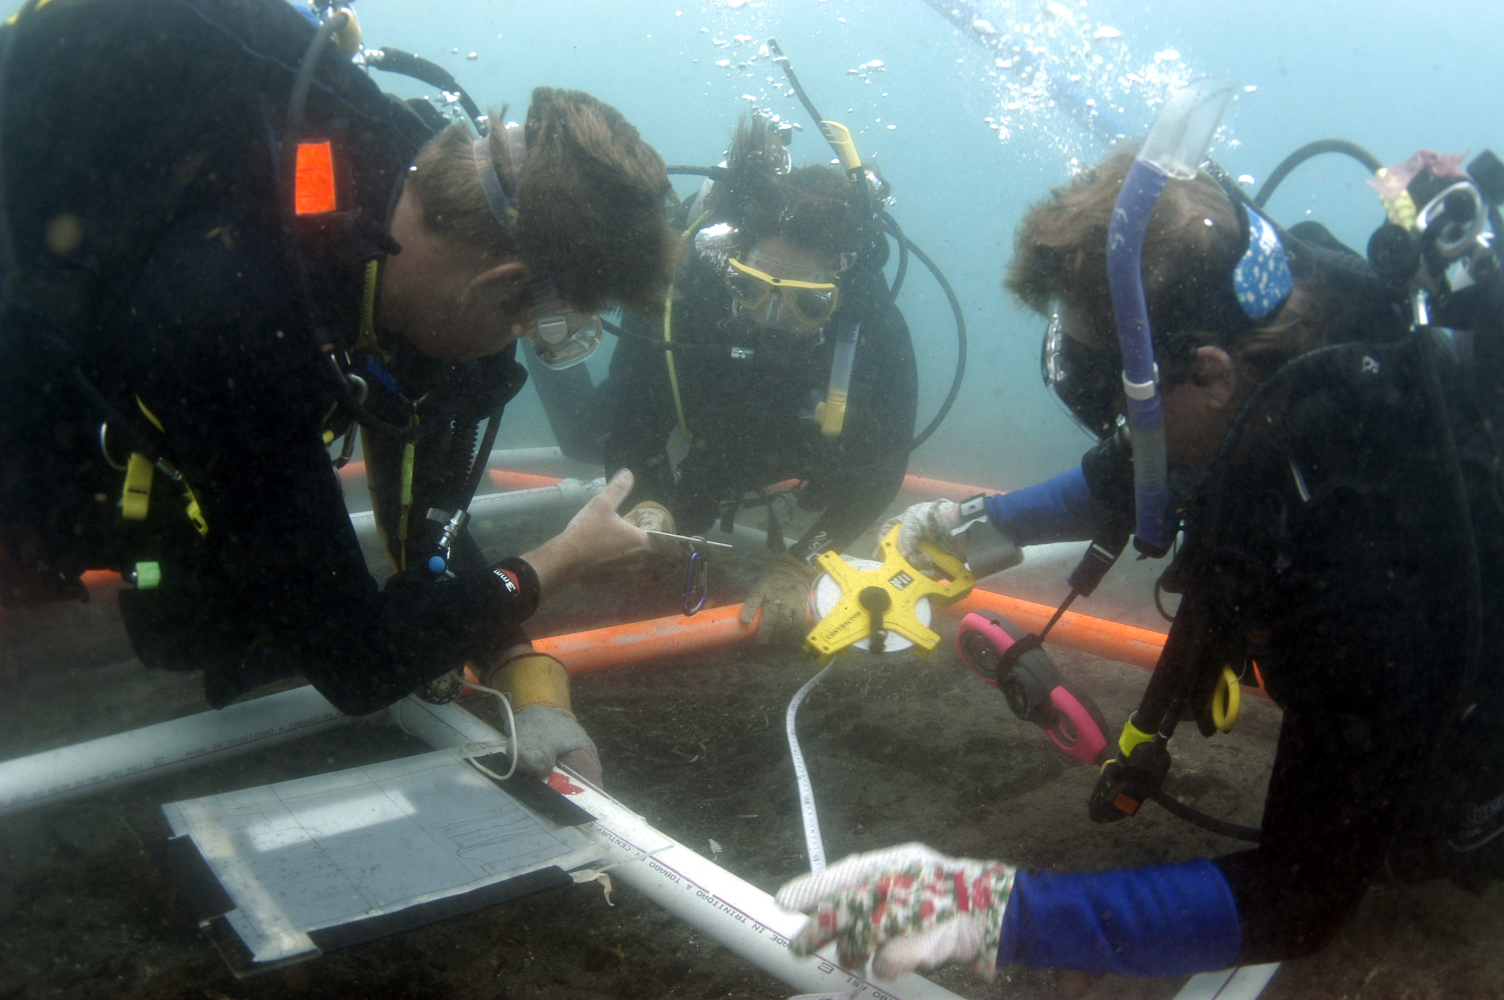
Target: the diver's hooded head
(801, 233)
(1195, 240)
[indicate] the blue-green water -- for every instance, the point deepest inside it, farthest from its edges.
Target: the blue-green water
(1392, 77)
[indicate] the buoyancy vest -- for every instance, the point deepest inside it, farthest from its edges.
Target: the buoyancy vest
(119, 119)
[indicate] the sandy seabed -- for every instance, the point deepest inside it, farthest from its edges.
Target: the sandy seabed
(899, 748)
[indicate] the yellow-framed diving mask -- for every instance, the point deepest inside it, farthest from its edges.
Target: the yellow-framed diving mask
(781, 303)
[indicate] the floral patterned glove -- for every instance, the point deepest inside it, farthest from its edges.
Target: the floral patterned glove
(931, 521)
(904, 908)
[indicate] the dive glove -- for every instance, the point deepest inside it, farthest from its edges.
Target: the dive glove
(650, 516)
(547, 732)
(933, 521)
(782, 595)
(904, 908)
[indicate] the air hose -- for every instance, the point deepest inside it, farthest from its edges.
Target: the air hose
(1306, 152)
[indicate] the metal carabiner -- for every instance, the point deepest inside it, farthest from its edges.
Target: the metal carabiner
(696, 581)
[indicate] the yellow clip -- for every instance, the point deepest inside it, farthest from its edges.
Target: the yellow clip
(1226, 700)
(849, 622)
(136, 497)
(195, 513)
(839, 137)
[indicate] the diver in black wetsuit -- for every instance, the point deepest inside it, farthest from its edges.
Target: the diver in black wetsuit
(1335, 438)
(175, 311)
(789, 264)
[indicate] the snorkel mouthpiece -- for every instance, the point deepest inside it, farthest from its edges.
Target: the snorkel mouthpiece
(1175, 147)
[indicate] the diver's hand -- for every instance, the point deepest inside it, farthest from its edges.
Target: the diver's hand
(547, 735)
(905, 908)
(537, 686)
(597, 542)
(782, 595)
(650, 516)
(931, 521)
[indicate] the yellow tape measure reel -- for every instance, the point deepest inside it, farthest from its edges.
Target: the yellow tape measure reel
(901, 587)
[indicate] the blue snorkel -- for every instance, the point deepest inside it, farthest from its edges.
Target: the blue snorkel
(1176, 145)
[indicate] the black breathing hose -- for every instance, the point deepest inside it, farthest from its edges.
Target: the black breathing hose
(406, 64)
(955, 308)
(1196, 817)
(1306, 152)
(287, 166)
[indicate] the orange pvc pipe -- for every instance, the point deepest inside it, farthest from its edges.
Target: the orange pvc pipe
(635, 642)
(943, 490)
(1099, 636)
(507, 480)
(617, 645)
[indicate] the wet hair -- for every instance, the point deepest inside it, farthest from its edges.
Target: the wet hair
(1060, 253)
(592, 205)
(815, 208)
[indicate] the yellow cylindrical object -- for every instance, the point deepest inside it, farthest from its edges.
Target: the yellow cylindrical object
(840, 140)
(533, 679)
(833, 413)
(1131, 737)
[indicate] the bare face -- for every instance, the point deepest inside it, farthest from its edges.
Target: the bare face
(452, 302)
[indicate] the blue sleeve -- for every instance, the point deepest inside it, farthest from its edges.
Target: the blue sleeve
(1168, 920)
(1057, 510)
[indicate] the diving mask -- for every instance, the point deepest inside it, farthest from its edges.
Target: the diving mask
(1084, 378)
(561, 337)
(780, 303)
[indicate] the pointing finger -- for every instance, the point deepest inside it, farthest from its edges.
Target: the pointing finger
(617, 489)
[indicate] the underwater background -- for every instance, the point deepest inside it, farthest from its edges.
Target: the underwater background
(899, 748)
(968, 143)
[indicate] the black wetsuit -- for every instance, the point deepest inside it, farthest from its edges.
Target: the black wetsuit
(751, 418)
(203, 326)
(1336, 555)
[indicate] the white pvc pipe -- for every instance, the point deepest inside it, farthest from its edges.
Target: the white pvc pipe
(565, 493)
(509, 457)
(733, 912)
(67, 772)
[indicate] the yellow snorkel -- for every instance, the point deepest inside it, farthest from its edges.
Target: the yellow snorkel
(832, 412)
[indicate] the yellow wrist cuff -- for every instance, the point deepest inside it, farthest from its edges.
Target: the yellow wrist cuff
(1131, 737)
(533, 679)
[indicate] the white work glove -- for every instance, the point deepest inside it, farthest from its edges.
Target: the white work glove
(904, 908)
(931, 521)
(547, 735)
(537, 686)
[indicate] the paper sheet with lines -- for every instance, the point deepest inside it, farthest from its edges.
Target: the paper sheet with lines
(303, 855)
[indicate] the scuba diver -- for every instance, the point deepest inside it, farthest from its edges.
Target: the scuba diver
(250, 252)
(1329, 450)
(786, 359)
